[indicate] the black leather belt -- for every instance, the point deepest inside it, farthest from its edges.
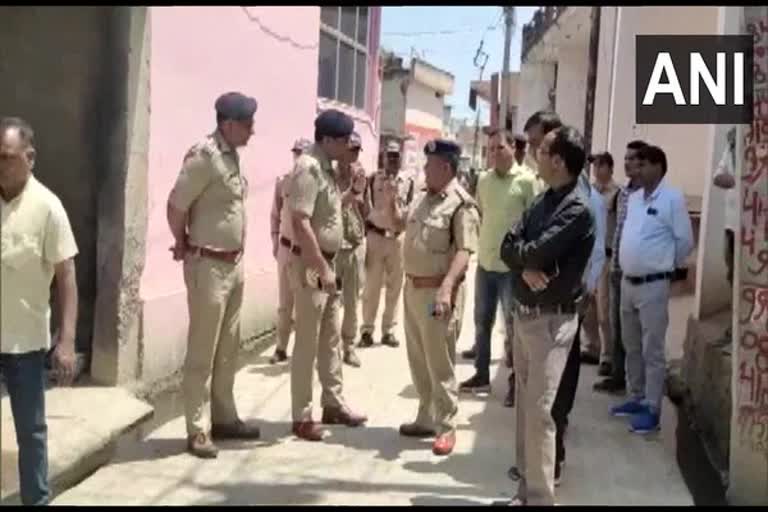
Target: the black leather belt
(553, 309)
(370, 226)
(650, 278)
(295, 249)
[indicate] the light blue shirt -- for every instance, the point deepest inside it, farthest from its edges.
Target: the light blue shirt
(597, 259)
(657, 235)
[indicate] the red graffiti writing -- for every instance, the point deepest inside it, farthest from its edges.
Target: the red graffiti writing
(757, 30)
(753, 428)
(756, 156)
(761, 105)
(755, 204)
(756, 300)
(758, 75)
(757, 133)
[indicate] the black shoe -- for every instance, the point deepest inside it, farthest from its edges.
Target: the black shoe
(390, 340)
(350, 358)
(366, 340)
(476, 384)
(605, 370)
(610, 385)
(469, 354)
(279, 357)
(587, 358)
(509, 400)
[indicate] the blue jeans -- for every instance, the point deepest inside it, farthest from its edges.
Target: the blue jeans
(25, 380)
(490, 287)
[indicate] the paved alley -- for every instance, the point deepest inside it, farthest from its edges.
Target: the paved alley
(374, 465)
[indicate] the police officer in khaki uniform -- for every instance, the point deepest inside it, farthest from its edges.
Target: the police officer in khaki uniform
(441, 234)
(384, 261)
(282, 245)
(351, 259)
(206, 214)
(315, 201)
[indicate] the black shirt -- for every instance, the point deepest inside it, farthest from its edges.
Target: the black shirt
(554, 236)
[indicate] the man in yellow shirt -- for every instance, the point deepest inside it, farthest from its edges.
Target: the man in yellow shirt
(502, 195)
(37, 243)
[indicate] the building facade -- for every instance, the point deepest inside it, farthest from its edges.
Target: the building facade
(136, 87)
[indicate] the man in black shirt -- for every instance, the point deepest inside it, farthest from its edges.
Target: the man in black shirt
(547, 252)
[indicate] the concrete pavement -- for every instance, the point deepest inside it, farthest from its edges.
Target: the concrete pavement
(82, 423)
(373, 465)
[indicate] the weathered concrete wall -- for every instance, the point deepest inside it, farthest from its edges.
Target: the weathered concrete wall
(571, 94)
(536, 80)
(198, 53)
(604, 87)
(749, 420)
(713, 292)
(55, 72)
(122, 203)
(706, 371)
(687, 166)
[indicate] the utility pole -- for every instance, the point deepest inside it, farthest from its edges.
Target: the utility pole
(509, 27)
(480, 55)
(594, 46)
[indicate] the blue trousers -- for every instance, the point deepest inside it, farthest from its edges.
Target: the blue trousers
(25, 380)
(490, 287)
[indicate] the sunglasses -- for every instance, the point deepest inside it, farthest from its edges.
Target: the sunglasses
(356, 149)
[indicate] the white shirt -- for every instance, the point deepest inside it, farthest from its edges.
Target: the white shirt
(725, 166)
(657, 235)
(597, 259)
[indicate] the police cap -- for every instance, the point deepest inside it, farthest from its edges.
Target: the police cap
(236, 106)
(333, 123)
(443, 148)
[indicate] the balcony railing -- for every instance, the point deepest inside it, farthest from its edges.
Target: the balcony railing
(542, 20)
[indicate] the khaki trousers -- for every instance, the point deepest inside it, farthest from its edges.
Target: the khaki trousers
(431, 346)
(317, 338)
(350, 267)
(384, 265)
(214, 298)
(603, 314)
(284, 299)
(541, 349)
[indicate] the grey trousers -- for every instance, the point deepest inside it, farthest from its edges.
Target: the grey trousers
(644, 321)
(541, 346)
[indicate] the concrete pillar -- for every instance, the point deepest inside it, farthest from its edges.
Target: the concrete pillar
(122, 223)
(748, 475)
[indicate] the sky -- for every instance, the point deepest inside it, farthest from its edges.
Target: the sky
(460, 30)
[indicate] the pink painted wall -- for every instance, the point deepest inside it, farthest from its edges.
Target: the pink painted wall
(197, 53)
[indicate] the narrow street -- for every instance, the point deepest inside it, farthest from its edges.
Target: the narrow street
(374, 465)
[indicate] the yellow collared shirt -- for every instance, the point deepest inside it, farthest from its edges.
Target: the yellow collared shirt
(36, 236)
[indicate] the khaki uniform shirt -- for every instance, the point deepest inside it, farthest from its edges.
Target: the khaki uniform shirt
(609, 193)
(380, 214)
(211, 188)
(353, 223)
(438, 226)
(281, 216)
(35, 236)
(313, 191)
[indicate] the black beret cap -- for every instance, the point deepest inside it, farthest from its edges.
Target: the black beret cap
(333, 123)
(444, 148)
(236, 106)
